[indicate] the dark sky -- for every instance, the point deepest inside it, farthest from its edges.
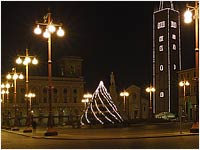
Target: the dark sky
(113, 36)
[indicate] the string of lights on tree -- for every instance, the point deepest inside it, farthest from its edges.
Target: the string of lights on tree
(101, 109)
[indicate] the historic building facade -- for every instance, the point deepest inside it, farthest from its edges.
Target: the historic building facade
(136, 105)
(166, 58)
(67, 93)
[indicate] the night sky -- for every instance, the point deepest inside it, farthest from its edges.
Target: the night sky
(113, 36)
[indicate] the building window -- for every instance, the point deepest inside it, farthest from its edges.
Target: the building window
(174, 36)
(182, 77)
(22, 90)
(75, 99)
(45, 100)
(75, 91)
(45, 91)
(65, 91)
(161, 38)
(161, 24)
(188, 75)
(65, 99)
(161, 94)
(65, 95)
(174, 47)
(161, 48)
(22, 100)
(173, 24)
(72, 69)
(161, 68)
(55, 91)
(174, 66)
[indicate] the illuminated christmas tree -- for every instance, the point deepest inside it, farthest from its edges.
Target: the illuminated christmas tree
(101, 109)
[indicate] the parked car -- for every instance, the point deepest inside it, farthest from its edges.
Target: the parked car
(166, 116)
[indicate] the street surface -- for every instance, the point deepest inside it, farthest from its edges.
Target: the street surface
(13, 141)
(136, 137)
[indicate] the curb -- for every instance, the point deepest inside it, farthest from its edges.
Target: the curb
(103, 138)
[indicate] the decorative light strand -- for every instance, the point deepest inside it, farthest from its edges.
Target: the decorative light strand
(101, 98)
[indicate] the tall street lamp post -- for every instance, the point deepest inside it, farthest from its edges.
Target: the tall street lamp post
(14, 75)
(26, 60)
(5, 87)
(184, 84)
(188, 18)
(150, 90)
(5, 90)
(50, 28)
(125, 94)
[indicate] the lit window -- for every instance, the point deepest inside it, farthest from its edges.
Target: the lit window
(161, 67)
(173, 24)
(174, 47)
(161, 48)
(174, 66)
(161, 38)
(161, 94)
(161, 24)
(174, 36)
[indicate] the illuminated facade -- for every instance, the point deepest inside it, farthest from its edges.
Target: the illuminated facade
(166, 58)
(68, 89)
(136, 105)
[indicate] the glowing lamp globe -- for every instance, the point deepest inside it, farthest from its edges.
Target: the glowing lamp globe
(60, 32)
(46, 34)
(37, 30)
(51, 28)
(188, 16)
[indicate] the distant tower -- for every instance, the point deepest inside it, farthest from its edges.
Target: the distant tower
(113, 92)
(166, 58)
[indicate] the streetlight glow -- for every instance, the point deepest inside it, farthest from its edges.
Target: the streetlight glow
(150, 90)
(60, 32)
(87, 96)
(9, 76)
(51, 28)
(34, 61)
(18, 60)
(46, 34)
(125, 94)
(37, 30)
(188, 16)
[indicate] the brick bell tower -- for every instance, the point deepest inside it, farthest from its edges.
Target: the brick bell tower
(166, 58)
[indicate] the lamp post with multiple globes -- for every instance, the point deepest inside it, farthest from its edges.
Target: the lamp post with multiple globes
(5, 91)
(150, 90)
(188, 17)
(14, 75)
(125, 94)
(26, 60)
(184, 84)
(50, 28)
